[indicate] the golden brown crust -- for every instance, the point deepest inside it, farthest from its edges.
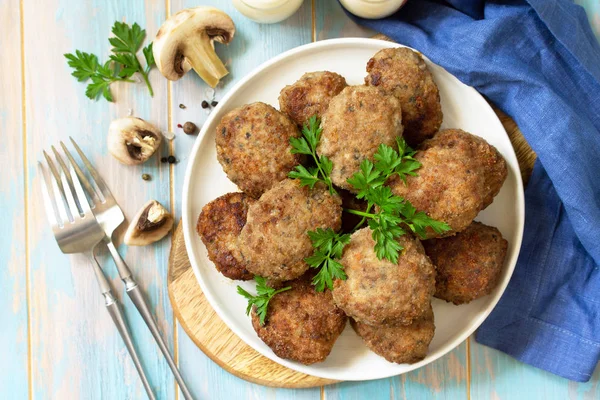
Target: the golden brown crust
(253, 147)
(460, 174)
(403, 73)
(310, 95)
(469, 264)
(274, 241)
(380, 292)
(301, 324)
(357, 121)
(399, 344)
(219, 226)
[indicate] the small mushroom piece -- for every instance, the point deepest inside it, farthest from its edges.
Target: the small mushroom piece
(149, 225)
(132, 140)
(186, 40)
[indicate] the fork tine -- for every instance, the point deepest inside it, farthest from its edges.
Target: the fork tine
(98, 181)
(49, 204)
(90, 190)
(59, 194)
(70, 194)
(53, 169)
(83, 201)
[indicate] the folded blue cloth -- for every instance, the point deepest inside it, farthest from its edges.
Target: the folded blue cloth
(539, 62)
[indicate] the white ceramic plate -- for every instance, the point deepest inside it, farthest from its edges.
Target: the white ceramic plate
(205, 180)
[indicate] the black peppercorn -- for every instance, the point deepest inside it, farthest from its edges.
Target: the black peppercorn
(189, 128)
(182, 106)
(146, 177)
(171, 160)
(214, 103)
(204, 104)
(163, 159)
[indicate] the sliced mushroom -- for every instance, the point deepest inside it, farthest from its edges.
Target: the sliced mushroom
(132, 140)
(186, 40)
(149, 225)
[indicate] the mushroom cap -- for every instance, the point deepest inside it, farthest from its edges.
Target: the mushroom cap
(132, 140)
(177, 33)
(151, 223)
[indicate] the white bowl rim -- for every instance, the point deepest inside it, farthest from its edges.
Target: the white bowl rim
(189, 220)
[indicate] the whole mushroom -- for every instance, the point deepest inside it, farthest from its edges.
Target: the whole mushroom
(132, 140)
(186, 40)
(150, 224)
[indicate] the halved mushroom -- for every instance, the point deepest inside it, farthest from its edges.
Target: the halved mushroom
(186, 40)
(132, 140)
(149, 225)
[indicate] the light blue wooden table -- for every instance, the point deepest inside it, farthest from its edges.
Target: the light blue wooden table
(56, 341)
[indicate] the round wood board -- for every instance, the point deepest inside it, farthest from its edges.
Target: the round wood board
(218, 342)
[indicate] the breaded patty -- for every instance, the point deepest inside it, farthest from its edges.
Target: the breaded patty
(253, 147)
(460, 175)
(468, 264)
(404, 74)
(274, 242)
(399, 344)
(219, 226)
(380, 292)
(302, 324)
(357, 121)
(310, 95)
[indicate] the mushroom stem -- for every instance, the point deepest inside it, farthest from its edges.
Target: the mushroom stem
(203, 58)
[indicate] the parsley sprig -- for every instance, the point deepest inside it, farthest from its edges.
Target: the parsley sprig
(307, 144)
(328, 250)
(392, 212)
(264, 294)
(120, 67)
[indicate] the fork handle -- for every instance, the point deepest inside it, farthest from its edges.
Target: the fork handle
(136, 296)
(119, 319)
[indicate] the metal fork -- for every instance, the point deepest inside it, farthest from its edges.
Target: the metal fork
(110, 216)
(77, 231)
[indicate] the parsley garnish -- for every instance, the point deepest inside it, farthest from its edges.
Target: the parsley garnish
(122, 65)
(262, 298)
(307, 144)
(392, 210)
(328, 249)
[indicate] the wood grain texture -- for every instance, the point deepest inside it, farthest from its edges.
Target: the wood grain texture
(213, 337)
(13, 263)
(76, 351)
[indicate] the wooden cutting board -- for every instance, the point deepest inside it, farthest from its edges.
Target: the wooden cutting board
(218, 342)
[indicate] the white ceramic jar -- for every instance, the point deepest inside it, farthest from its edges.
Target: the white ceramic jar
(372, 9)
(267, 11)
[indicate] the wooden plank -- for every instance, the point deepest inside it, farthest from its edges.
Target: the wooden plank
(13, 296)
(445, 378)
(496, 375)
(76, 351)
(253, 44)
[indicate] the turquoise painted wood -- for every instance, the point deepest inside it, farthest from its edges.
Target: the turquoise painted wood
(56, 340)
(13, 296)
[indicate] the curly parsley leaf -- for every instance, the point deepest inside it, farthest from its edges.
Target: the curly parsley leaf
(329, 247)
(264, 294)
(307, 144)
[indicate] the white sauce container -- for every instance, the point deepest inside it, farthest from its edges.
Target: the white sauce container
(267, 11)
(372, 9)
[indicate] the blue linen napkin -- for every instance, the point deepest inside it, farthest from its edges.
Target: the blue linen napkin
(539, 62)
